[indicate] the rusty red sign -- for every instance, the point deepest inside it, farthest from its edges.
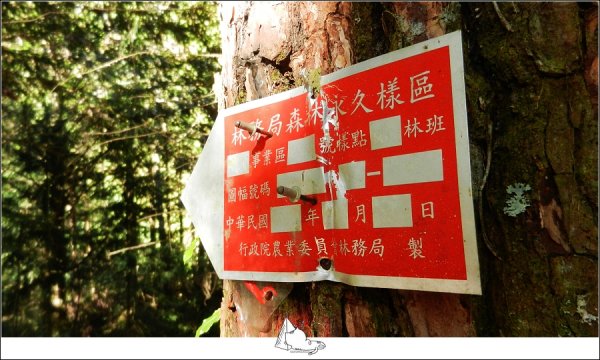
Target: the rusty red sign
(379, 154)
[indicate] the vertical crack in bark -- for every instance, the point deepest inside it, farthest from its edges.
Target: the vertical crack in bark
(556, 298)
(344, 302)
(503, 20)
(328, 43)
(488, 165)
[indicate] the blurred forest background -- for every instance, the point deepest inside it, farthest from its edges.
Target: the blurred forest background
(105, 108)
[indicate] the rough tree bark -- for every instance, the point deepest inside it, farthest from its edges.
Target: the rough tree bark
(531, 71)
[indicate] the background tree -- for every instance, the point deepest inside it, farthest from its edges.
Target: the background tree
(105, 107)
(531, 77)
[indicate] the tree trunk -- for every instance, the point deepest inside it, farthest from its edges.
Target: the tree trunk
(531, 81)
(55, 201)
(131, 240)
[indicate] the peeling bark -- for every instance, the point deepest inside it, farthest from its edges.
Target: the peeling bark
(532, 113)
(439, 315)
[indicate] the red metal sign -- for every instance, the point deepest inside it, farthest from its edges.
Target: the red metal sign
(383, 150)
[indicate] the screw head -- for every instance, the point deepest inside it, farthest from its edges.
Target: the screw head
(325, 263)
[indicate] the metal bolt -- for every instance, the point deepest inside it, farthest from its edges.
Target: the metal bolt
(252, 129)
(294, 194)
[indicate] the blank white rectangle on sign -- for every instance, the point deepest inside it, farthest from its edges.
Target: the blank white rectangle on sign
(301, 150)
(413, 168)
(335, 214)
(310, 181)
(352, 174)
(385, 133)
(286, 218)
(238, 164)
(392, 211)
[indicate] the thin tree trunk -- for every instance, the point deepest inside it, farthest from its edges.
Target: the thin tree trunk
(131, 240)
(54, 203)
(531, 76)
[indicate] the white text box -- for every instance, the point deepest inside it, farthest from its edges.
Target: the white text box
(301, 150)
(352, 174)
(238, 164)
(335, 214)
(310, 181)
(385, 133)
(413, 168)
(392, 211)
(286, 218)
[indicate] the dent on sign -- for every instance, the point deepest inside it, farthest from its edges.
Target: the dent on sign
(370, 176)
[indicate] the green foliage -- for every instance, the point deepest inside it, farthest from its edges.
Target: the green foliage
(188, 254)
(314, 81)
(208, 323)
(105, 107)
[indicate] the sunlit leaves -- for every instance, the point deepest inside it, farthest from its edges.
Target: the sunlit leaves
(190, 251)
(104, 105)
(208, 323)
